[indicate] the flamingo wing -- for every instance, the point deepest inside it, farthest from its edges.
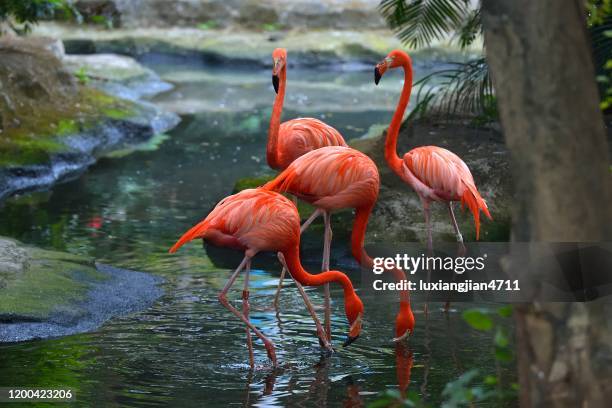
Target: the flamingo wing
(256, 219)
(331, 177)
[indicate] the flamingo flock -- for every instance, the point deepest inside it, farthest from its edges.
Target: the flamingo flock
(317, 166)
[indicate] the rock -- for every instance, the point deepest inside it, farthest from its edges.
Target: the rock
(55, 294)
(117, 75)
(323, 47)
(258, 14)
(52, 127)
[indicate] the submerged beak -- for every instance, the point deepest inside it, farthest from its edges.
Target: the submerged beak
(275, 82)
(349, 340)
(377, 75)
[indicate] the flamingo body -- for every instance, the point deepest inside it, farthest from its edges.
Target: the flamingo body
(331, 178)
(437, 174)
(257, 220)
(299, 136)
(252, 220)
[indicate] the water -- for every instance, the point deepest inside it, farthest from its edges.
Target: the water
(188, 350)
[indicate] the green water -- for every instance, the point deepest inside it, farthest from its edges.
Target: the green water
(187, 350)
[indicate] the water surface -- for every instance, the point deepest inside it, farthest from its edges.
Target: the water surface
(188, 350)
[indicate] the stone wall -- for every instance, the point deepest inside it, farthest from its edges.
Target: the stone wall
(253, 14)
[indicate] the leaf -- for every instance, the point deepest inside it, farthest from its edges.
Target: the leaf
(490, 380)
(501, 338)
(505, 311)
(418, 22)
(503, 354)
(478, 319)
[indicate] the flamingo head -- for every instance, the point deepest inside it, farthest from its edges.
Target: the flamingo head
(279, 61)
(353, 307)
(404, 323)
(395, 59)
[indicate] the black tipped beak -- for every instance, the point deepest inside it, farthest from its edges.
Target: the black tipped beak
(376, 75)
(275, 82)
(349, 340)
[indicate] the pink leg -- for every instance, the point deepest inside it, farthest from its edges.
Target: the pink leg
(306, 224)
(245, 311)
(461, 250)
(427, 212)
(323, 338)
(225, 302)
(325, 267)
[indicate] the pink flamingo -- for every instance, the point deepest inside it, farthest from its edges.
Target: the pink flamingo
(436, 174)
(333, 178)
(257, 220)
(291, 139)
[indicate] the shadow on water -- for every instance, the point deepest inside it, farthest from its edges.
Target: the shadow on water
(187, 350)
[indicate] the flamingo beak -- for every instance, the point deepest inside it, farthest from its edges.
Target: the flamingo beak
(377, 75)
(275, 81)
(349, 340)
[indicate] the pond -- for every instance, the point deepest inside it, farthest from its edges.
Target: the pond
(187, 349)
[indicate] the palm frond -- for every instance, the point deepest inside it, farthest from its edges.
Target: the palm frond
(464, 90)
(418, 22)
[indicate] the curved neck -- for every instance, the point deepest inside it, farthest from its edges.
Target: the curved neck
(277, 110)
(292, 258)
(391, 156)
(362, 215)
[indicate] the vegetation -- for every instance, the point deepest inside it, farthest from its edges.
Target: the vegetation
(466, 89)
(19, 15)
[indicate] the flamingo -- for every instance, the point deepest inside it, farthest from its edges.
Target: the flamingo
(333, 178)
(434, 173)
(257, 220)
(291, 139)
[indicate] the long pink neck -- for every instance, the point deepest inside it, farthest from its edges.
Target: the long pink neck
(277, 110)
(292, 257)
(362, 216)
(391, 156)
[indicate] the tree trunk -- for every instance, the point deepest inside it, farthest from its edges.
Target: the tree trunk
(540, 58)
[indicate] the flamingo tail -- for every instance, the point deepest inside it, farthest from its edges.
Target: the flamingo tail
(474, 201)
(197, 231)
(281, 183)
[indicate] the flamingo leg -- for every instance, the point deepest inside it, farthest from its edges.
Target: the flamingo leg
(325, 267)
(462, 249)
(306, 224)
(225, 302)
(323, 339)
(427, 212)
(245, 311)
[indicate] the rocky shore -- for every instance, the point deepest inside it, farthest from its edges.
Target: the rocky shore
(49, 294)
(61, 113)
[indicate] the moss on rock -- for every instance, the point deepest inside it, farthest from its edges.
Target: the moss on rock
(35, 283)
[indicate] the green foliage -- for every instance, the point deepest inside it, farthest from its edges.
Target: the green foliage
(462, 89)
(208, 25)
(82, 75)
(418, 22)
(466, 88)
(102, 20)
(479, 319)
(28, 12)
(270, 27)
